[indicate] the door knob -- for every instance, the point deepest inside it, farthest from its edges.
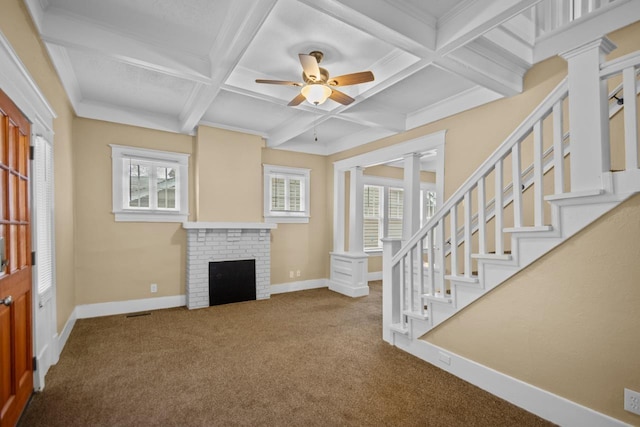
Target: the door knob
(7, 301)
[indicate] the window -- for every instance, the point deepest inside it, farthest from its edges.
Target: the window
(149, 185)
(373, 217)
(428, 205)
(43, 212)
(396, 199)
(286, 194)
(378, 217)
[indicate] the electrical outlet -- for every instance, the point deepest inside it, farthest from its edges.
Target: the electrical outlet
(298, 273)
(154, 288)
(291, 274)
(632, 401)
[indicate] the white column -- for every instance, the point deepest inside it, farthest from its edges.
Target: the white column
(356, 190)
(588, 115)
(338, 211)
(411, 206)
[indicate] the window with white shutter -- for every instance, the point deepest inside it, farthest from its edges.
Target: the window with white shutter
(377, 217)
(373, 216)
(43, 212)
(396, 202)
(286, 194)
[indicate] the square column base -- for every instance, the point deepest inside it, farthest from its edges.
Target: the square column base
(349, 274)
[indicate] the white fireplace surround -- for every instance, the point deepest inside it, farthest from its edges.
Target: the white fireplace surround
(225, 241)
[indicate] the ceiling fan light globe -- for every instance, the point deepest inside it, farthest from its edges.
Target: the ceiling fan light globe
(316, 94)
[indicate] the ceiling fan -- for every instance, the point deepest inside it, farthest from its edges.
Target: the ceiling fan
(317, 86)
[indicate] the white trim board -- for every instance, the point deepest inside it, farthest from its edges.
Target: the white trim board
(374, 275)
(87, 311)
(66, 331)
(533, 399)
(303, 285)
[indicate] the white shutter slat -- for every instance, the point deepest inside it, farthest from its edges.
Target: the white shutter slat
(43, 177)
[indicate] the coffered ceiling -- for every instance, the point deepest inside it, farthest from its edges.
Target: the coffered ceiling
(176, 64)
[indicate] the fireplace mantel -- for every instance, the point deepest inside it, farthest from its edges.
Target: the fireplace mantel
(227, 225)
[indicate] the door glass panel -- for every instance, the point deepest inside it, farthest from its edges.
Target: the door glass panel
(13, 247)
(3, 142)
(22, 154)
(11, 145)
(23, 199)
(3, 186)
(23, 246)
(13, 203)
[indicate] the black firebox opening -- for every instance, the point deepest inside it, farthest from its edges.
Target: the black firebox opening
(232, 281)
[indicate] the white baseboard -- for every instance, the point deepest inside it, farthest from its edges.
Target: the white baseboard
(66, 331)
(361, 291)
(374, 275)
(299, 286)
(533, 399)
(131, 306)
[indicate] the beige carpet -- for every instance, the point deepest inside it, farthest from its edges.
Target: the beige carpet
(311, 358)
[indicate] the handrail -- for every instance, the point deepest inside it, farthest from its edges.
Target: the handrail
(518, 135)
(615, 66)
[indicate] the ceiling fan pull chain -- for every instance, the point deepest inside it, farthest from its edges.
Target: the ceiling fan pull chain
(315, 134)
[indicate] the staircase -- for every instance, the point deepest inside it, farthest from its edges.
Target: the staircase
(506, 216)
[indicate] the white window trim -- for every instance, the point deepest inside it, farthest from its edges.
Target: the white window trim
(123, 214)
(386, 184)
(270, 216)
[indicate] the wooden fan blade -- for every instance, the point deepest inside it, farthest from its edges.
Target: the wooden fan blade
(352, 79)
(278, 82)
(340, 97)
(297, 100)
(310, 66)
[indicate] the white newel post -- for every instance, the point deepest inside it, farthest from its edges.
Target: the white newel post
(588, 115)
(390, 288)
(349, 269)
(411, 201)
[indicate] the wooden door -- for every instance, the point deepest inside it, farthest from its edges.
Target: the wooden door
(16, 367)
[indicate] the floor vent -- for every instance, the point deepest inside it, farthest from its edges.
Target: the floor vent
(138, 314)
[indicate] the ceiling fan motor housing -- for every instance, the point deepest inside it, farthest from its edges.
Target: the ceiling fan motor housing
(324, 77)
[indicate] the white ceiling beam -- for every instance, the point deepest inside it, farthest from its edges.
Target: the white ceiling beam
(475, 19)
(73, 32)
(498, 76)
(421, 30)
(412, 35)
(295, 126)
(455, 104)
(371, 115)
(514, 45)
(119, 114)
(244, 19)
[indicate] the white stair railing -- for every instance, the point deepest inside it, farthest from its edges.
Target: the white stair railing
(550, 15)
(437, 231)
(437, 244)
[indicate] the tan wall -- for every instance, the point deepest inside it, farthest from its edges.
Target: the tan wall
(117, 261)
(303, 247)
(16, 25)
(224, 158)
(568, 323)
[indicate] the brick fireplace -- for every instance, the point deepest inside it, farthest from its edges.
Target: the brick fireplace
(225, 241)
